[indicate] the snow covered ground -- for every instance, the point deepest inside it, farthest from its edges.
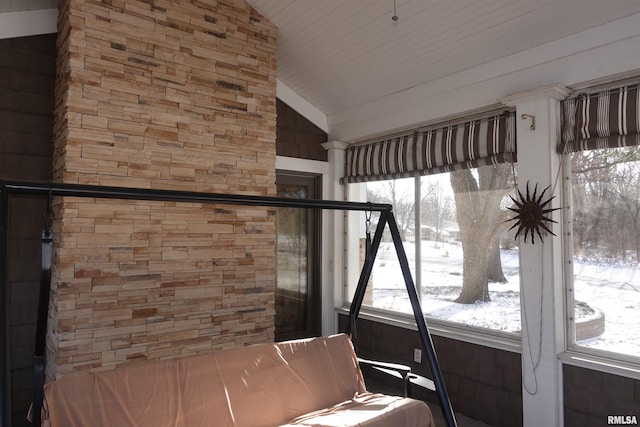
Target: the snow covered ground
(611, 288)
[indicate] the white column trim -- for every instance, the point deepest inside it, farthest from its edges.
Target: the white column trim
(335, 145)
(335, 243)
(554, 92)
(295, 164)
(541, 276)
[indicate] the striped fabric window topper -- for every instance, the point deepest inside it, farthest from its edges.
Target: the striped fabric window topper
(606, 119)
(469, 144)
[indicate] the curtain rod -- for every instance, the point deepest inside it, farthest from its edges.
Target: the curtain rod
(128, 193)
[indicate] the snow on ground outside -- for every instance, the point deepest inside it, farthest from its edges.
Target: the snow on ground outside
(611, 288)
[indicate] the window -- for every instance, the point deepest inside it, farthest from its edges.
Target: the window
(386, 287)
(297, 260)
(604, 290)
(601, 134)
(457, 236)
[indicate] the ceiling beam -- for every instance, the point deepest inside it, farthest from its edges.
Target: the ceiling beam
(28, 23)
(301, 105)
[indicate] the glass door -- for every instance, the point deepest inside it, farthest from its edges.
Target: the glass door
(297, 260)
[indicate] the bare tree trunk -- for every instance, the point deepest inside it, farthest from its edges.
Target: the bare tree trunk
(494, 266)
(479, 219)
(475, 284)
(474, 270)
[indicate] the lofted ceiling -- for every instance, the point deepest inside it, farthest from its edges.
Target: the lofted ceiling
(342, 54)
(359, 72)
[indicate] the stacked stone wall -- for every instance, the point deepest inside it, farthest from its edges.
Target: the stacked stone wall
(176, 95)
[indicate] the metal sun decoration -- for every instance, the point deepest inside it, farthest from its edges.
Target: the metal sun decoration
(532, 214)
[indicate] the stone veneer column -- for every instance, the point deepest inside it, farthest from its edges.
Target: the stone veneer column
(170, 95)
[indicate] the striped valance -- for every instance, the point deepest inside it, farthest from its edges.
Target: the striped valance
(605, 119)
(442, 149)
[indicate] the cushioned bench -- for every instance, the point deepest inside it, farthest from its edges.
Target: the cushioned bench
(311, 382)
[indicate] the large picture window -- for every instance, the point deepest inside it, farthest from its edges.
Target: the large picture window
(449, 186)
(600, 138)
(605, 284)
(456, 234)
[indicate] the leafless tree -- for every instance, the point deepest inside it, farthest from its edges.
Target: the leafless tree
(481, 221)
(401, 196)
(606, 203)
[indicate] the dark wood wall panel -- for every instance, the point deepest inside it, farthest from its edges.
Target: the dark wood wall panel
(590, 397)
(298, 137)
(27, 78)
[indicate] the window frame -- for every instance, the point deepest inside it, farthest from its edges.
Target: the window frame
(575, 354)
(313, 184)
(510, 341)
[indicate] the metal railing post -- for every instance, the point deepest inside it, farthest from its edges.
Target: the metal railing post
(5, 395)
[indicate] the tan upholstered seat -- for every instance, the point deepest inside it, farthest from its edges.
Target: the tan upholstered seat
(312, 382)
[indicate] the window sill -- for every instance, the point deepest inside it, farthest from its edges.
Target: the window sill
(485, 337)
(624, 368)
(498, 340)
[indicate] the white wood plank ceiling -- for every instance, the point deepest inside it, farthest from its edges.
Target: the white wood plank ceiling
(361, 73)
(342, 54)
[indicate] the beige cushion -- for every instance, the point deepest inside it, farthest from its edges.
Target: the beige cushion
(260, 385)
(370, 410)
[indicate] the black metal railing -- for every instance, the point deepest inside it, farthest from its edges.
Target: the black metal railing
(79, 190)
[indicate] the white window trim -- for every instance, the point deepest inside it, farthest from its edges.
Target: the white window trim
(602, 363)
(474, 335)
(316, 167)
